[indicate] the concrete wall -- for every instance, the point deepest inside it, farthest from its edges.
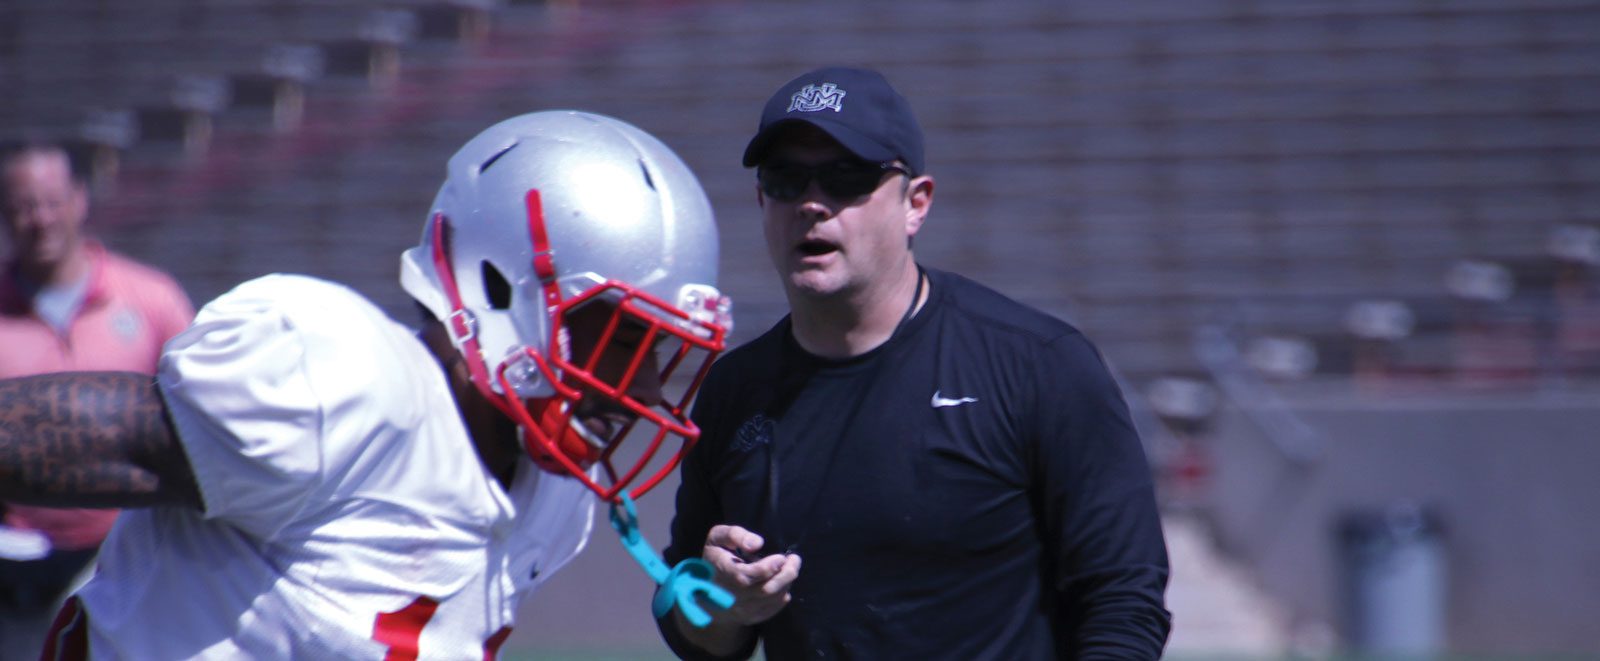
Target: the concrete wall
(1510, 477)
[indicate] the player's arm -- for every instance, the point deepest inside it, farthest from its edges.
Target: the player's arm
(90, 439)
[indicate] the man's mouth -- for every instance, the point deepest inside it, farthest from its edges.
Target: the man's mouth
(815, 247)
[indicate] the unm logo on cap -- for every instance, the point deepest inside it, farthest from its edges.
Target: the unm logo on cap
(812, 98)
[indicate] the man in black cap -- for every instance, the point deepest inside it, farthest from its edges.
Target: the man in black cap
(958, 470)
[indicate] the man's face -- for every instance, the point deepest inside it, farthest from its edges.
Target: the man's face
(823, 246)
(44, 208)
(600, 415)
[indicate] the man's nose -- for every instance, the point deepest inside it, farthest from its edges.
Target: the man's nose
(814, 205)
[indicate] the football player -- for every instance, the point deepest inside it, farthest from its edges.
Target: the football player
(314, 480)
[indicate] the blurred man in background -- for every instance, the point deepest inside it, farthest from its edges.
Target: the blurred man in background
(958, 471)
(66, 304)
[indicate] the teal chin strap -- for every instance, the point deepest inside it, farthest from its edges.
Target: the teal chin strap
(676, 586)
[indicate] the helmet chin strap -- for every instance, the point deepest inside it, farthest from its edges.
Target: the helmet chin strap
(554, 424)
(460, 323)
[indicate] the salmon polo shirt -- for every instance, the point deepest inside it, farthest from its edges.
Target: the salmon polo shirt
(129, 311)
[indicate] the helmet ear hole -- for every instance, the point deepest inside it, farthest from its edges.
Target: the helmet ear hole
(496, 289)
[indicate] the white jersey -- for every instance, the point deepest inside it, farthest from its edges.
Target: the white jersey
(346, 513)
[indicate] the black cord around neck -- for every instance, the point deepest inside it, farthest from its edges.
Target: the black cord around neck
(911, 310)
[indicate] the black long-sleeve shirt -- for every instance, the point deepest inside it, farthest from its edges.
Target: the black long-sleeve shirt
(973, 488)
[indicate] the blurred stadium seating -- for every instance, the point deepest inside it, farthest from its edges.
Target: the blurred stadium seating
(1343, 254)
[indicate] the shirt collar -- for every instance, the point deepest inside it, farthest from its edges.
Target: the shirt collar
(16, 295)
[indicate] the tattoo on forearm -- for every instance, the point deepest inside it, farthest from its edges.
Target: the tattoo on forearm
(89, 439)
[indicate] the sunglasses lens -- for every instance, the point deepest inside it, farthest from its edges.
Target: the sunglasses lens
(846, 180)
(783, 182)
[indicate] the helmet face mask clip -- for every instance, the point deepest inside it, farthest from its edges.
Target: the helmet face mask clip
(463, 327)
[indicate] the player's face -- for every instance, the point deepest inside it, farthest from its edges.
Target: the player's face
(600, 415)
(824, 245)
(44, 207)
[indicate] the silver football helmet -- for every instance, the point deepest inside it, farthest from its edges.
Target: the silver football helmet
(542, 214)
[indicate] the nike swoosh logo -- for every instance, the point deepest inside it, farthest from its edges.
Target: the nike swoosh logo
(939, 402)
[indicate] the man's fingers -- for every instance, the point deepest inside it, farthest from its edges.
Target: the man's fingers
(760, 602)
(727, 548)
(769, 576)
(755, 573)
(734, 538)
(760, 585)
(788, 571)
(721, 559)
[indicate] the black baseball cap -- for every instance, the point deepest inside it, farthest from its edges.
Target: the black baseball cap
(857, 107)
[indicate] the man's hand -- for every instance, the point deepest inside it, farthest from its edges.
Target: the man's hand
(760, 589)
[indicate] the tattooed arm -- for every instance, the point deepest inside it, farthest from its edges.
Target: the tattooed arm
(90, 439)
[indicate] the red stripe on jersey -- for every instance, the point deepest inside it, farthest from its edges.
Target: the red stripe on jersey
(401, 629)
(491, 647)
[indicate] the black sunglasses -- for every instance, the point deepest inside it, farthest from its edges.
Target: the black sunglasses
(844, 179)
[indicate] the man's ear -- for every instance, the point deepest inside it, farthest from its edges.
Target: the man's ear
(919, 199)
